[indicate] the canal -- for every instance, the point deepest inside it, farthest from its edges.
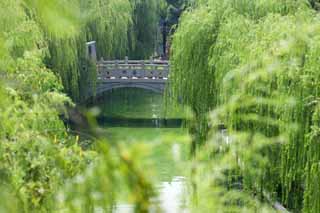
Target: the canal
(141, 119)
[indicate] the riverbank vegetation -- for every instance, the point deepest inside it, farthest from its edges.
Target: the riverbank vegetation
(43, 167)
(247, 69)
(252, 66)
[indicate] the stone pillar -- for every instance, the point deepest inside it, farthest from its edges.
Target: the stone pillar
(92, 51)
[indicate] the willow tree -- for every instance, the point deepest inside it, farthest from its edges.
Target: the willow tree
(108, 24)
(119, 28)
(191, 77)
(260, 79)
(37, 154)
(30, 104)
(144, 29)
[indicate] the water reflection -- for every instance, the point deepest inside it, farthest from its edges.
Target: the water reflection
(171, 198)
(138, 116)
(124, 208)
(172, 195)
(136, 103)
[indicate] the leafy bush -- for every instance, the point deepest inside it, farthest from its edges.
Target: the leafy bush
(38, 156)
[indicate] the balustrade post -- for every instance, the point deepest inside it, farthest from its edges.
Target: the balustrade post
(100, 65)
(116, 69)
(152, 67)
(127, 66)
(143, 68)
(116, 65)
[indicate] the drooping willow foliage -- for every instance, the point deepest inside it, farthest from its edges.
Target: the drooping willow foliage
(42, 166)
(109, 24)
(119, 27)
(255, 65)
(144, 29)
(106, 22)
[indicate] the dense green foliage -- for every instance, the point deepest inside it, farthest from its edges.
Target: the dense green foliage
(31, 101)
(120, 28)
(260, 77)
(174, 11)
(248, 65)
(42, 52)
(144, 28)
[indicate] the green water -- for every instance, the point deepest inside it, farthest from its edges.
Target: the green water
(164, 150)
(138, 103)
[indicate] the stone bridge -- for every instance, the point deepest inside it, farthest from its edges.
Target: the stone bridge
(146, 74)
(150, 75)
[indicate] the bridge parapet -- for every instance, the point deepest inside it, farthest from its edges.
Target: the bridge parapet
(147, 74)
(132, 69)
(114, 74)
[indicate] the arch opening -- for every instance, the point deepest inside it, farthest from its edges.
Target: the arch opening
(158, 88)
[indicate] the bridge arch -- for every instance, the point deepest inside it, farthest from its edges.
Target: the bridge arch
(156, 88)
